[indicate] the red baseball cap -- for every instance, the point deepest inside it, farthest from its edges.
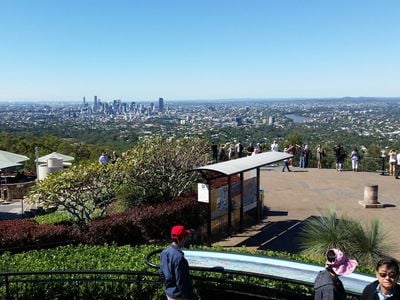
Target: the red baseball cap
(179, 231)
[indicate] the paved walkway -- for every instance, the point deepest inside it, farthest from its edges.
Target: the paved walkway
(293, 197)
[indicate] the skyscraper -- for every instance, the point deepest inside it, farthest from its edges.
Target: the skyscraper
(160, 104)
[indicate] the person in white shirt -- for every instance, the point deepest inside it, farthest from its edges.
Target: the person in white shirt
(104, 159)
(274, 147)
(392, 161)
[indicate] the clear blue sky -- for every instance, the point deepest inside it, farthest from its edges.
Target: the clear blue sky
(142, 50)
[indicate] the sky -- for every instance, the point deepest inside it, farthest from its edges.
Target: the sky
(209, 49)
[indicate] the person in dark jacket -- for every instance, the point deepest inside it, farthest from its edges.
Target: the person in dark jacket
(174, 268)
(387, 286)
(327, 285)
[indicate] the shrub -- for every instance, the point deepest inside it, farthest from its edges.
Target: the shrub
(81, 190)
(58, 217)
(146, 222)
(328, 231)
(158, 169)
(28, 234)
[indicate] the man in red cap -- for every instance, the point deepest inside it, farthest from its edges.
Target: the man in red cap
(174, 268)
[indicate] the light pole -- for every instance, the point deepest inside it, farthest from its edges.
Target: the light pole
(37, 162)
(383, 156)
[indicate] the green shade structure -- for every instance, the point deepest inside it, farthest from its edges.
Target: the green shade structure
(8, 159)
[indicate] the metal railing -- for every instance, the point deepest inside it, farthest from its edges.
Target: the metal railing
(209, 283)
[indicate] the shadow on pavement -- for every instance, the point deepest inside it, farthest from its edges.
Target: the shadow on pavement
(9, 216)
(274, 213)
(277, 236)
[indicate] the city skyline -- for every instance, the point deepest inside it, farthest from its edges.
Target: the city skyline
(180, 50)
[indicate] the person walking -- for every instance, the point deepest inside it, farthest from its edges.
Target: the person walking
(386, 286)
(327, 284)
(174, 268)
(286, 162)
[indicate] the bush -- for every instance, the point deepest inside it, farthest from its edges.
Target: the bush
(28, 233)
(366, 245)
(158, 169)
(58, 217)
(146, 222)
(135, 226)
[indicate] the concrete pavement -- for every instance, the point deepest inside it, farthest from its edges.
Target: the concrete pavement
(291, 198)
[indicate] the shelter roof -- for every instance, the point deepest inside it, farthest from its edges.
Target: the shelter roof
(9, 159)
(247, 163)
(55, 155)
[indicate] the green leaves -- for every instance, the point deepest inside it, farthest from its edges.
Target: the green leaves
(79, 190)
(366, 244)
(158, 169)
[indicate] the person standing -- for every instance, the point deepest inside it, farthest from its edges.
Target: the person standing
(214, 150)
(174, 268)
(231, 153)
(222, 154)
(104, 159)
(304, 156)
(239, 149)
(392, 162)
(320, 154)
(340, 155)
(327, 284)
(355, 159)
(274, 146)
(386, 286)
(398, 167)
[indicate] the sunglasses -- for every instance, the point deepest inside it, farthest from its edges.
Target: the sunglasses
(391, 275)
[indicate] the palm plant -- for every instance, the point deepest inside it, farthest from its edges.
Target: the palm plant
(371, 243)
(324, 232)
(366, 244)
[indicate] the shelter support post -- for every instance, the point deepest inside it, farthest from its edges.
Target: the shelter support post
(241, 201)
(229, 203)
(209, 216)
(259, 204)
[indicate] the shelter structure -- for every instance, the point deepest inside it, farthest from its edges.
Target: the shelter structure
(233, 191)
(8, 160)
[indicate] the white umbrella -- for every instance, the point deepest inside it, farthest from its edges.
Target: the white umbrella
(55, 155)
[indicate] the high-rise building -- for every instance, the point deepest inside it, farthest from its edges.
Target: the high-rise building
(160, 104)
(271, 120)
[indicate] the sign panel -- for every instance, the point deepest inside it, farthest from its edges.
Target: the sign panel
(250, 191)
(203, 193)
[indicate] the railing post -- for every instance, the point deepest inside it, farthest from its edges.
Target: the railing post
(7, 283)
